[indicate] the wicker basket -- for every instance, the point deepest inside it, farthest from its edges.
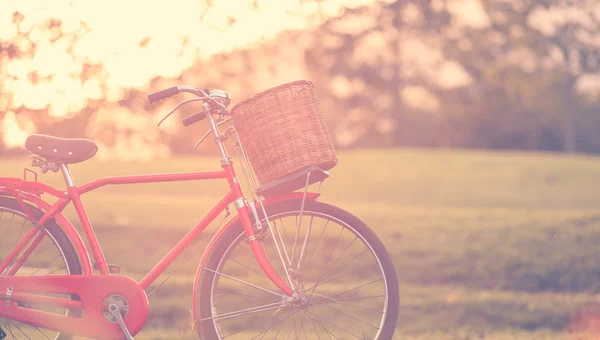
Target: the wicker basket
(283, 133)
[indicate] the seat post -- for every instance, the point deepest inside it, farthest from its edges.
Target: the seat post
(67, 175)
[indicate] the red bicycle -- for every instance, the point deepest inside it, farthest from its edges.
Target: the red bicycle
(285, 266)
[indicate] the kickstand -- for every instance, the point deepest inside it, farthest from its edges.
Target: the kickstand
(114, 311)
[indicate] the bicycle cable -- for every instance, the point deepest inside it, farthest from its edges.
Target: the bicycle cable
(192, 253)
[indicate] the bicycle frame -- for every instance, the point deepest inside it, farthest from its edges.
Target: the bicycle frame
(16, 187)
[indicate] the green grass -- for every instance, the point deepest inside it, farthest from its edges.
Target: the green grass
(486, 245)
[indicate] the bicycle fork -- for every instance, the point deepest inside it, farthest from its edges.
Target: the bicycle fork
(257, 248)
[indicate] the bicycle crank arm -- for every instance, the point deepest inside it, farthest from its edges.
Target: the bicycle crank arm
(116, 313)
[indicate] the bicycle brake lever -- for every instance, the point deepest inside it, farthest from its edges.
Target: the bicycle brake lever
(178, 106)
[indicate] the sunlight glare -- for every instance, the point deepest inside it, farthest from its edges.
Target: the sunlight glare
(127, 43)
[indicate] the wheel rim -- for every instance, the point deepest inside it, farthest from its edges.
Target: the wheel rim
(311, 295)
(9, 238)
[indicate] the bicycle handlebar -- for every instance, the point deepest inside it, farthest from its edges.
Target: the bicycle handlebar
(164, 94)
(196, 117)
(217, 99)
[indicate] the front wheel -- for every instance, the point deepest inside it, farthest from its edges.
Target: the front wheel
(344, 281)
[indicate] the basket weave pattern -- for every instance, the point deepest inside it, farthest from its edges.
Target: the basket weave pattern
(283, 130)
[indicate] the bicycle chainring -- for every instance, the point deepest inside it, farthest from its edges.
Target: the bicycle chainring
(118, 300)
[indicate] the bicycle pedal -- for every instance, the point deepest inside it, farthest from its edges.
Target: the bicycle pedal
(112, 268)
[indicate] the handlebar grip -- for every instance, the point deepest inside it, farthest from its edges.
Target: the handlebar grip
(160, 95)
(196, 117)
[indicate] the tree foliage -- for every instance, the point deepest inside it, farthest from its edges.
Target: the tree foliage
(504, 74)
(452, 73)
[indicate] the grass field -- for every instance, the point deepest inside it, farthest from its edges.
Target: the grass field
(486, 245)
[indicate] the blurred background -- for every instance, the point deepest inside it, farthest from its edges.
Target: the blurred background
(466, 130)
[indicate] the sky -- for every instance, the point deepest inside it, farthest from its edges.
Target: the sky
(135, 41)
(139, 40)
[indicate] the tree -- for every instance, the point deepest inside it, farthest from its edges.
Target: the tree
(481, 73)
(507, 59)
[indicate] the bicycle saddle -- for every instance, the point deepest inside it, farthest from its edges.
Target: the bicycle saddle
(62, 150)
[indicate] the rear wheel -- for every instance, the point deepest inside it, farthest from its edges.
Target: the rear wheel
(346, 285)
(54, 255)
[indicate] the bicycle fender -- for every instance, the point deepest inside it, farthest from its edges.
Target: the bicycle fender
(62, 221)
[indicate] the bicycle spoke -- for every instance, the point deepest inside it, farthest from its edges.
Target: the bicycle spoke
(19, 329)
(329, 334)
(282, 322)
(291, 329)
(59, 255)
(249, 252)
(271, 246)
(302, 323)
(351, 290)
(318, 241)
(240, 301)
(242, 281)
(351, 299)
(44, 334)
(313, 324)
(346, 264)
(305, 243)
(350, 316)
(283, 242)
(338, 277)
(54, 271)
(7, 326)
(244, 312)
(238, 293)
(349, 305)
(280, 327)
(294, 319)
(348, 273)
(328, 259)
(296, 237)
(20, 232)
(287, 274)
(6, 230)
(345, 331)
(233, 333)
(344, 252)
(262, 334)
(299, 223)
(302, 326)
(243, 265)
(41, 250)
